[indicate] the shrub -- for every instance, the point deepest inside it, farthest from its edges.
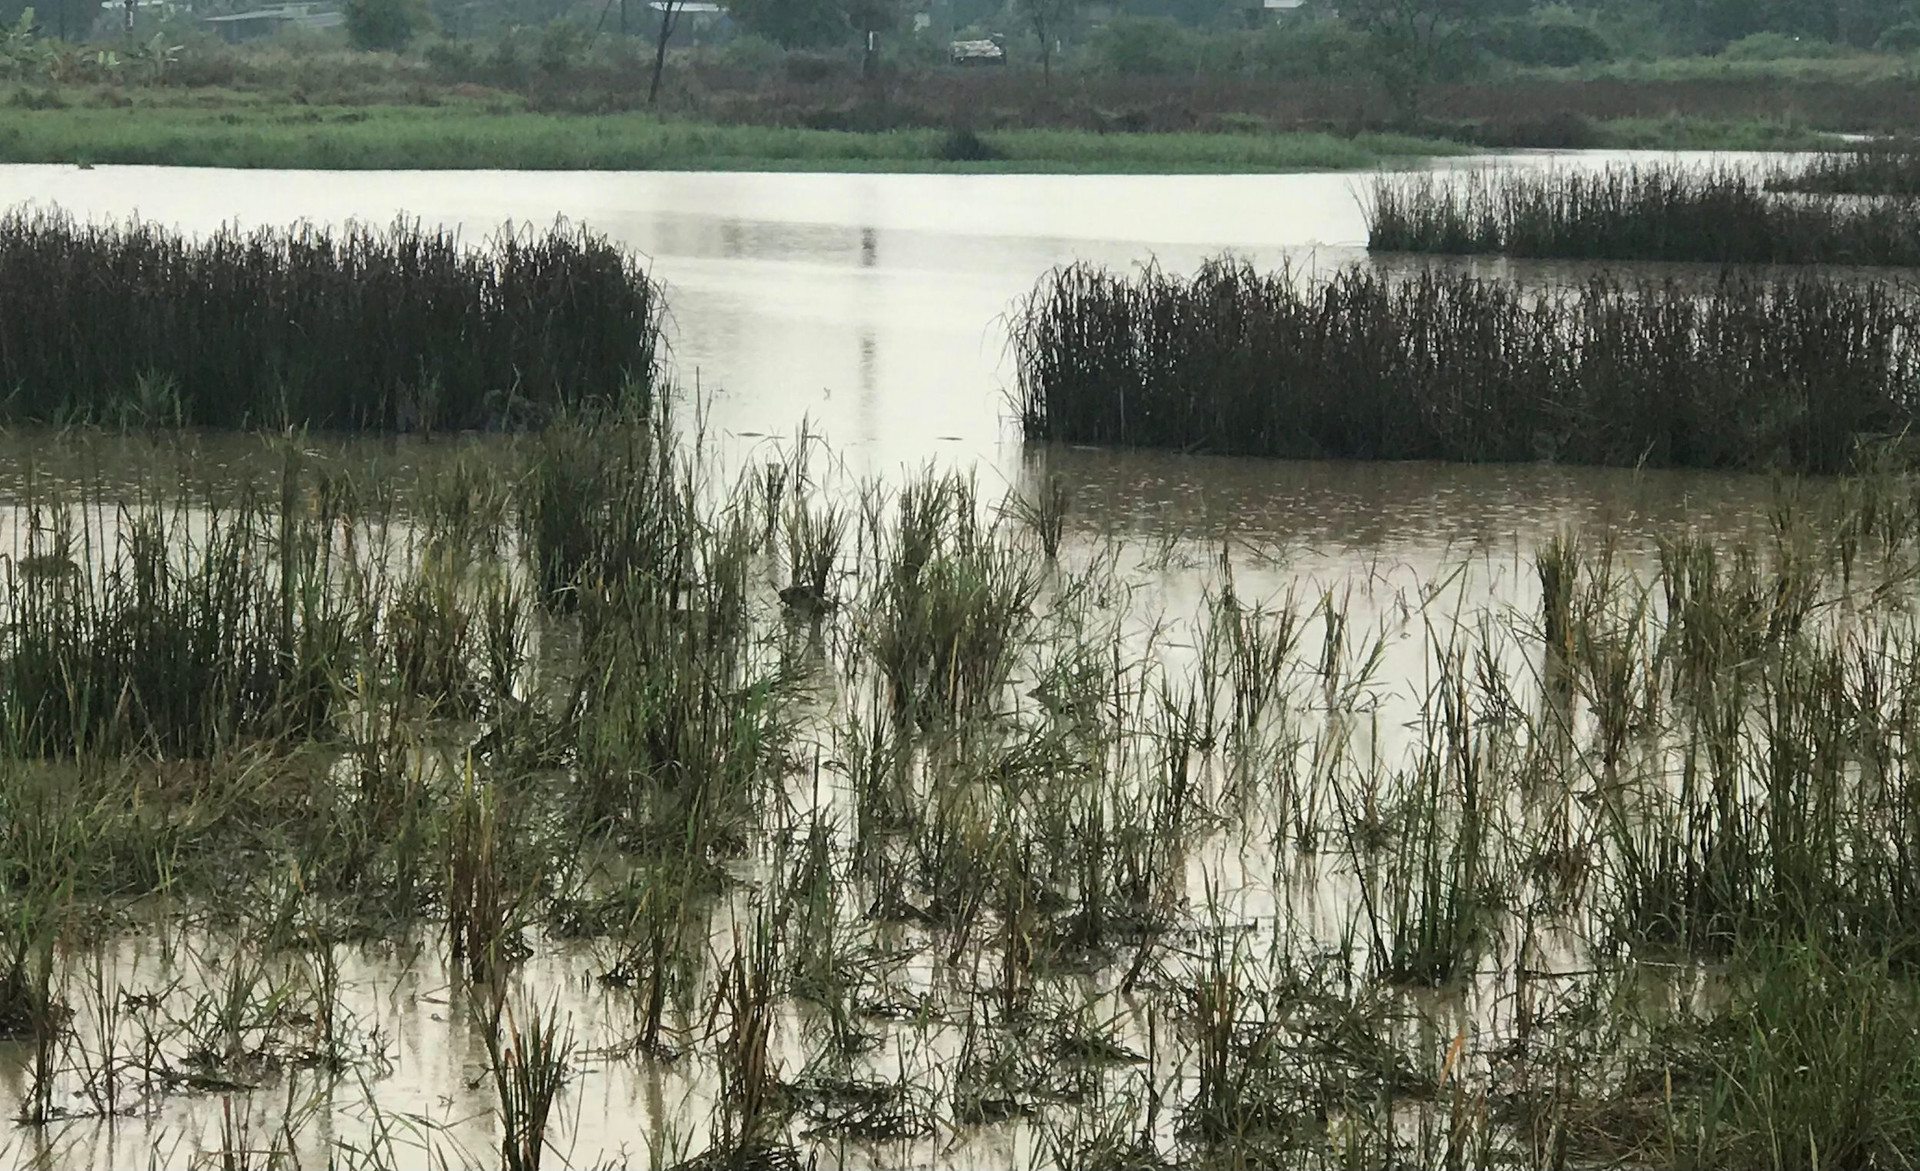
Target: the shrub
(386, 24)
(1900, 38)
(1556, 44)
(964, 146)
(1145, 45)
(1308, 48)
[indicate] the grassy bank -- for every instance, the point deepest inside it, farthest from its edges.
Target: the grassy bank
(1747, 372)
(430, 138)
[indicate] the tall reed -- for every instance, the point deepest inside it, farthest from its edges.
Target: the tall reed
(1874, 169)
(406, 328)
(1719, 215)
(1748, 372)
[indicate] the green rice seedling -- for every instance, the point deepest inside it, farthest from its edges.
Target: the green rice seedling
(465, 509)
(1558, 565)
(184, 639)
(814, 534)
(482, 906)
(1244, 1100)
(1044, 511)
(749, 1080)
(1252, 646)
(1720, 215)
(952, 612)
(653, 960)
(1814, 1065)
(406, 328)
(1747, 370)
(529, 1066)
(432, 627)
(1610, 654)
(675, 729)
(1429, 916)
(825, 954)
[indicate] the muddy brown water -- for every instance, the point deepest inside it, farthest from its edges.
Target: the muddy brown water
(868, 309)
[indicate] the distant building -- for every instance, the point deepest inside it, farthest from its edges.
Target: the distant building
(264, 22)
(696, 20)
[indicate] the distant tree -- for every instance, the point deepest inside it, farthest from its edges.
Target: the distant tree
(794, 24)
(1047, 19)
(868, 19)
(669, 17)
(1412, 41)
(801, 24)
(386, 24)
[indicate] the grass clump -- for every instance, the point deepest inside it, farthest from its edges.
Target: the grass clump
(1745, 373)
(1717, 215)
(403, 329)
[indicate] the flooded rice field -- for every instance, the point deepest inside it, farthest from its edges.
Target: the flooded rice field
(800, 771)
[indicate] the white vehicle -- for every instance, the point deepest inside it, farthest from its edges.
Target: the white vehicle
(987, 52)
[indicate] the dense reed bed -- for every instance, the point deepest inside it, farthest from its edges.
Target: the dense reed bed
(1876, 169)
(1747, 372)
(1717, 215)
(406, 328)
(879, 826)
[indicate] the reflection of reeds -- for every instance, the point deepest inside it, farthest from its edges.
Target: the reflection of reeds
(1746, 371)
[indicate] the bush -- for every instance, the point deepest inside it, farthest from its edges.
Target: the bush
(455, 60)
(562, 43)
(746, 52)
(386, 24)
(1145, 45)
(1900, 38)
(1308, 48)
(963, 145)
(1553, 44)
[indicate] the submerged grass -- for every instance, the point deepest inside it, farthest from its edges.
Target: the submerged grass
(1718, 215)
(1748, 372)
(1625, 874)
(402, 329)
